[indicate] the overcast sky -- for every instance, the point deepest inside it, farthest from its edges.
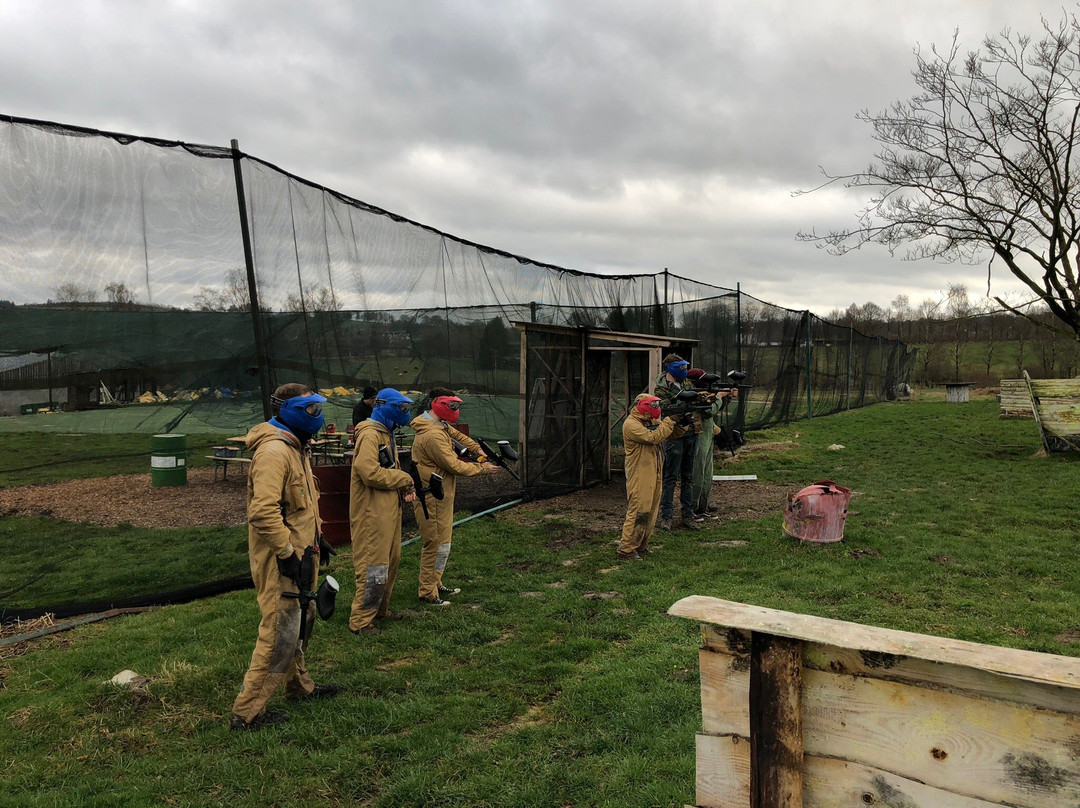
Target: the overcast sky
(612, 136)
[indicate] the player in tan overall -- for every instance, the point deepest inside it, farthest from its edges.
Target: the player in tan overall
(377, 488)
(433, 451)
(642, 437)
(283, 521)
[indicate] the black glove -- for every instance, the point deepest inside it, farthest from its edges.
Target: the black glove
(290, 568)
(325, 551)
(686, 419)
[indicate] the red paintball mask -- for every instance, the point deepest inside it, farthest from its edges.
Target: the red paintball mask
(694, 374)
(649, 407)
(448, 408)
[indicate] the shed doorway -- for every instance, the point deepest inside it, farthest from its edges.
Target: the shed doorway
(577, 384)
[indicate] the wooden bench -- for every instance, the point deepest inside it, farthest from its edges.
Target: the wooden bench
(222, 463)
(801, 712)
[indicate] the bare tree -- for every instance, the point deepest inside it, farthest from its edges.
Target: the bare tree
(231, 296)
(317, 298)
(982, 160)
(73, 293)
(119, 295)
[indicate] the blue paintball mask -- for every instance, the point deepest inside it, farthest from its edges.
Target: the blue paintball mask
(302, 414)
(678, 370)
(391, 408)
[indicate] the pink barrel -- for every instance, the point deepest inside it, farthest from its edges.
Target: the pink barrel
(817, 513)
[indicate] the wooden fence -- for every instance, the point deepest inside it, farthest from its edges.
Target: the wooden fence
(806, 712)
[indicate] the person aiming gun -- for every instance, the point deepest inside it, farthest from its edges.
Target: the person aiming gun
(434, 452)
(670, 385)
(702, 475)
(642, 438)
(283, 526)
(377, 488)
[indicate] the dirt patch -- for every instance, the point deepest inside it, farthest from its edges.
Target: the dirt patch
(130, 499)
(574, 517)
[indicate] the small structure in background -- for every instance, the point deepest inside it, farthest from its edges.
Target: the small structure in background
(1055, 403)
(957, 392)
(817, 513)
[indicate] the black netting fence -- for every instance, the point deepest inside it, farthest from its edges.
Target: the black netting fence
(137, 300)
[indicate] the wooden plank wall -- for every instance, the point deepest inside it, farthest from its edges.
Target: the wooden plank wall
(880, 728)
(1014, 399)
(1058, 402)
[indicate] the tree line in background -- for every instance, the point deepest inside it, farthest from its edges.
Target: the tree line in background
(960, 339)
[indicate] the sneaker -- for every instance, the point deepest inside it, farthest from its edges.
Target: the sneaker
(699, 517)
(320, 692)
(665, 524)
(687, 524)
(628, 556)
(390, 616)
(264, 719)
(644, 551)
(436, 601)
(368, 629)
(445, 591)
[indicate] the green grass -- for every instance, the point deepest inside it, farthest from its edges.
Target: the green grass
(556, 678)
(33, 458)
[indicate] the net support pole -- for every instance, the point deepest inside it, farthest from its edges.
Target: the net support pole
(738, 327)
(809, 399)
(253, 293)
(850, 348)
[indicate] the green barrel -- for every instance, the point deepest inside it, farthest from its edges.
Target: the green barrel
(168, 460)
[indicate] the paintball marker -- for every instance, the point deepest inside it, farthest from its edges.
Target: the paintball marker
(713, 383)
(324, 597)
(435, 485)
(687, 402)
(506, 455)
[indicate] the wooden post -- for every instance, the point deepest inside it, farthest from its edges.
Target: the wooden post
(776, 743)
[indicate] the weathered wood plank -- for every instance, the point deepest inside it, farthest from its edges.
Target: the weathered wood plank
(723, 771)
(831, 783)
(1030, 665)
(1014, 400)
(725, 694)
(954, 678)
(776, 738)
(981, 748)
(1055, 387)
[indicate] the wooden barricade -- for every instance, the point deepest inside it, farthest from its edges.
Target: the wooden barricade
(807, 712)
(1014, 400)
(1056, 406)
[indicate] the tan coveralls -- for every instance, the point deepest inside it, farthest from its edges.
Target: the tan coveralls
(644, 469)
(282, 513)
(434, 454)
(375, 522)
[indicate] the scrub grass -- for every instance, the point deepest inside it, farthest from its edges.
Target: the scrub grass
(556, 678)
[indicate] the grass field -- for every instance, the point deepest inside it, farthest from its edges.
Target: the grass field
(556, 678)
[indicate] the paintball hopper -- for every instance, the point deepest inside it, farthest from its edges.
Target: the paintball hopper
(507, 451)
(326, 596)
(435, 486)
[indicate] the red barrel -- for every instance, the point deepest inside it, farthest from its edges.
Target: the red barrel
(817, 513)
(334, 502)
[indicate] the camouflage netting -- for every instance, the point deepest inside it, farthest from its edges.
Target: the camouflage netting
(125, 302)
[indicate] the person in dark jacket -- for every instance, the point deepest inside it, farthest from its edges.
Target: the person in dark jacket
(362, 411)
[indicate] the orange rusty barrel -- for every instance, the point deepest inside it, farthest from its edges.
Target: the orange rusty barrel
(817, 513)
